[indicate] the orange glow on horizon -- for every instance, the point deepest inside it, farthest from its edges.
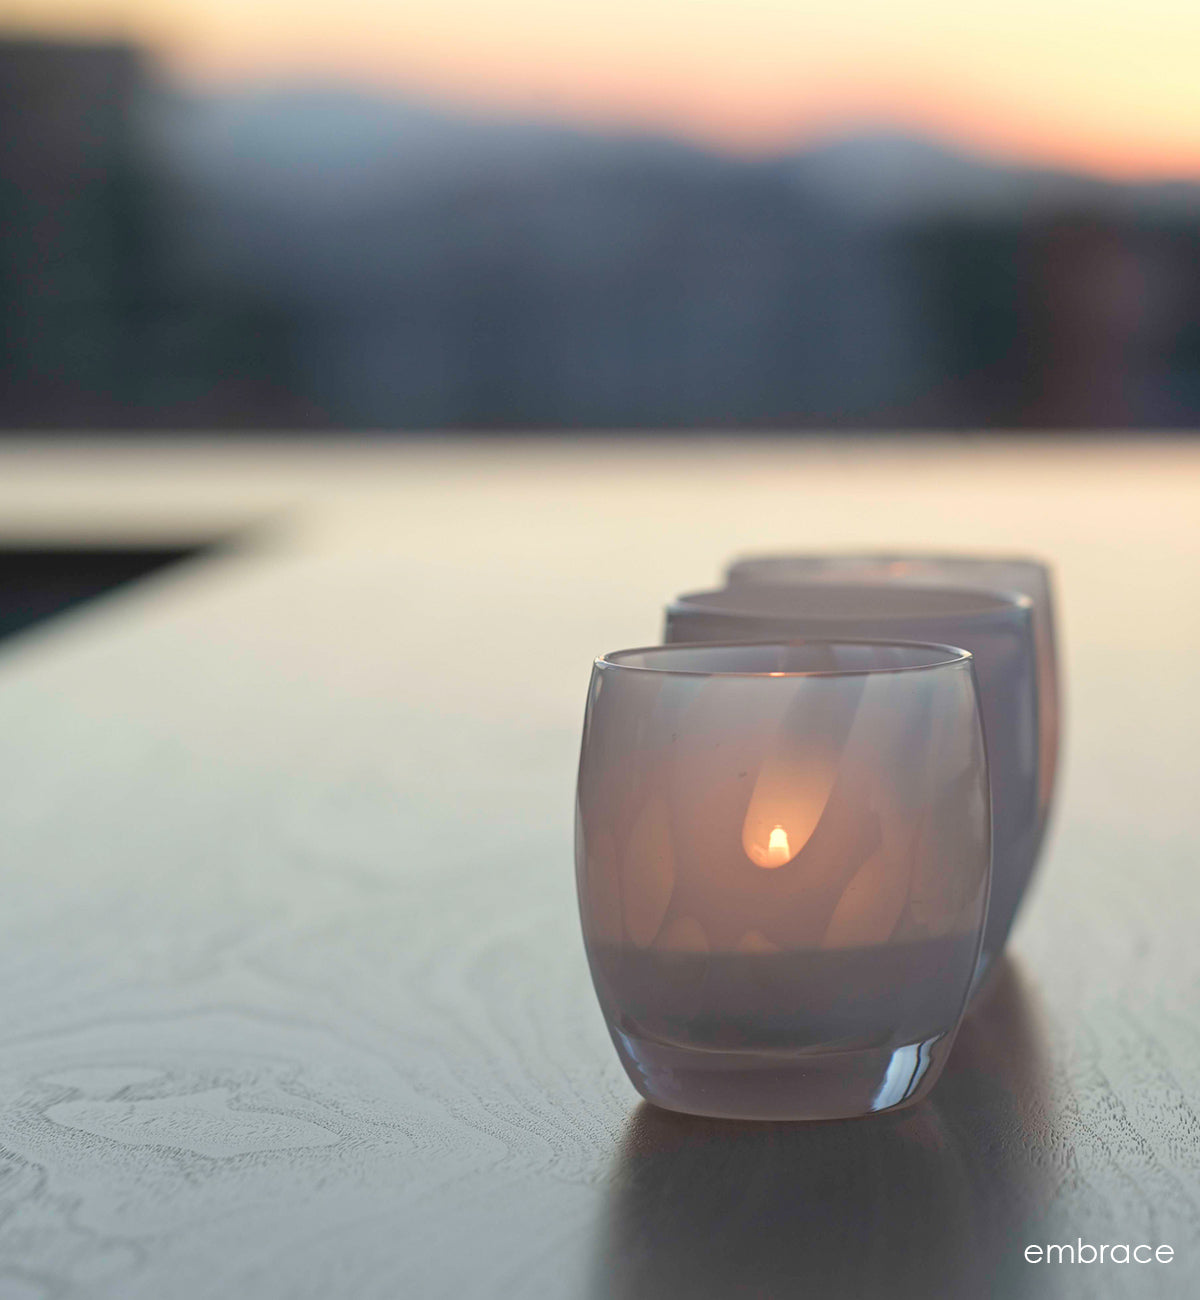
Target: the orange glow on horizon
(751, 119)
(1106, 87)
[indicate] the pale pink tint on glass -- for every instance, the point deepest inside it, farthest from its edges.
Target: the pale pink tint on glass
(995, 627)
(1029, 576)
(783, 868)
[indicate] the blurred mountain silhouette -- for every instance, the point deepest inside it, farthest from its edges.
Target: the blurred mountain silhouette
(321, 257)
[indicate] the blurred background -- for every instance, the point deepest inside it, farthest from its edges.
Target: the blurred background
(251, 215)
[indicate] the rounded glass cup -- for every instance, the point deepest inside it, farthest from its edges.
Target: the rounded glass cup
(1033, 578)
(782, 854)
(995, 627)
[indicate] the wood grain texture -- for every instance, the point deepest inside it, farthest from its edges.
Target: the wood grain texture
(295, 1003)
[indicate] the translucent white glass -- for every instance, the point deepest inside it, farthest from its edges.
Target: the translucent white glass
(1031, 577)
(997, 628)
(783, 867)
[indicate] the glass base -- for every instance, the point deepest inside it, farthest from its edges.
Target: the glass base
(810, 1085)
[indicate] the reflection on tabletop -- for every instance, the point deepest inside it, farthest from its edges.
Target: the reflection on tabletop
(935, 1200)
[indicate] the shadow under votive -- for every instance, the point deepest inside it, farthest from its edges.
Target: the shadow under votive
(938, 1200)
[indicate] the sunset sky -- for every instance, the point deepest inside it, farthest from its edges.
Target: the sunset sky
(1108, 85)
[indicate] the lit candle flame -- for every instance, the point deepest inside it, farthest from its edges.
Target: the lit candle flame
(796, 777)
(777, 852)
(788, 800)
(777, 847)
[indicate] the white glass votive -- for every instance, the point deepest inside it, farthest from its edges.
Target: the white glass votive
(995, 627)
(783, 863)
(1031, 577)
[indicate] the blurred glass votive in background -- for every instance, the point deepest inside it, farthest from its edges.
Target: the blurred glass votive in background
(782, 856)
(1032, 578)
(995, 627)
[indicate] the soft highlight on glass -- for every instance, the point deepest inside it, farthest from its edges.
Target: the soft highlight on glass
(783, 865)
(995, 627)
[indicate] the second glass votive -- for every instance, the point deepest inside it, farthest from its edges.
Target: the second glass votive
(1031, 577)
(996, 627)
(783, 869)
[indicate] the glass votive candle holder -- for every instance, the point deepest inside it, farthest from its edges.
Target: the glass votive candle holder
(1031, 577)
(783, 864)
(995, 627)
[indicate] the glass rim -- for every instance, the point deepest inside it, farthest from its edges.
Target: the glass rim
(949, 656)
(976, 602)
(891, 556)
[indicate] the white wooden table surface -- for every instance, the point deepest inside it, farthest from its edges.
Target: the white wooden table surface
(294, 1001)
